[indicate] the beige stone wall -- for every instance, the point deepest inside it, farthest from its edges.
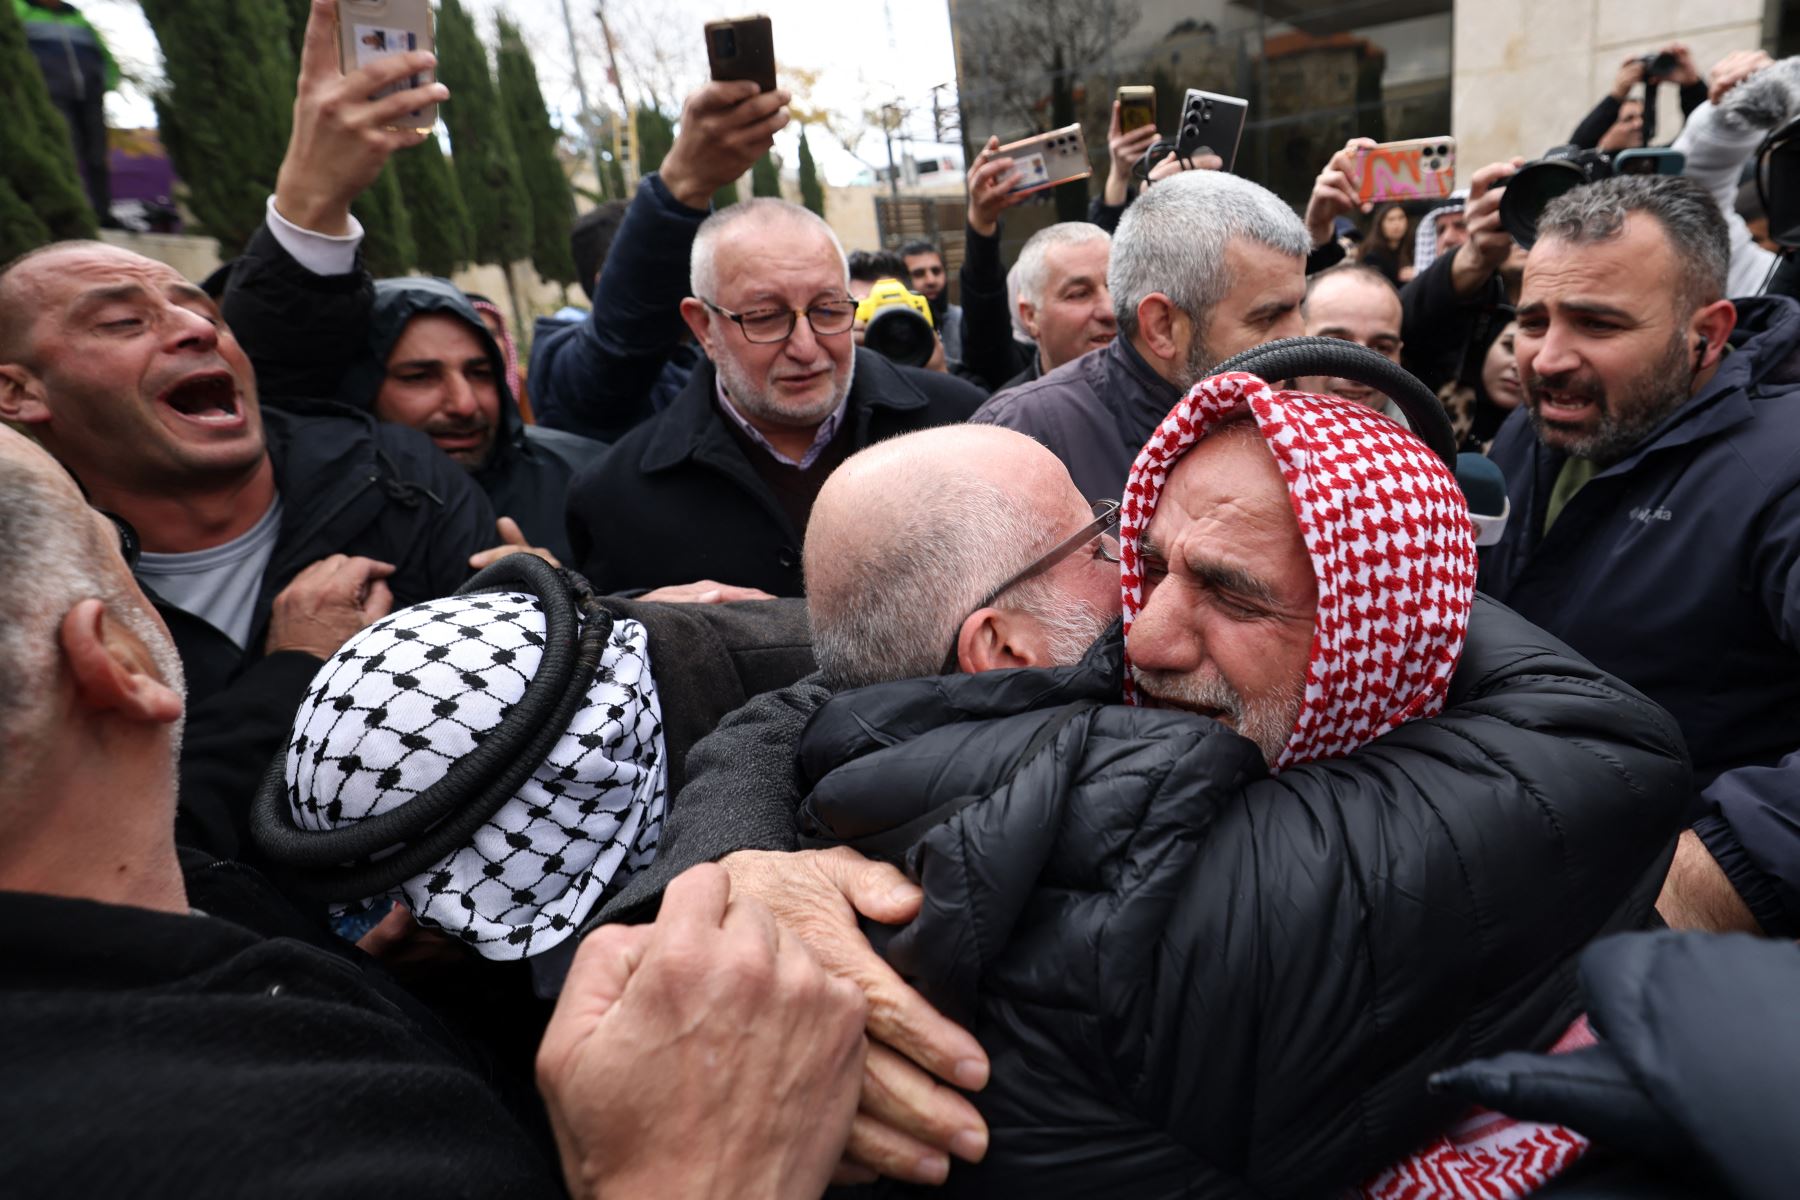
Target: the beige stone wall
(1527, 71)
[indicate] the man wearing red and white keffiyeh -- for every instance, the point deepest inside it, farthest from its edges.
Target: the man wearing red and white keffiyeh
(1369, 603)
(1313, 636)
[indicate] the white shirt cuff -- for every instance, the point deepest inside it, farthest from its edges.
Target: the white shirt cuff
(320, 253)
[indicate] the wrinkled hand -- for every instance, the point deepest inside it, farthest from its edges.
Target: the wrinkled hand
(908, 1123)
(1631, 73)
(341, 139)
(992, 178)
(512, 541)
(725, 127)
(329, 603)
(704, 591)
(1489, 245)
(1124, 149)
(1685, 73)
(706, 1055)
(1335, 192)
(1732, 70)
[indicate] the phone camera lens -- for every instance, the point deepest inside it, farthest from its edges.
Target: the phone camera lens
(726, 39)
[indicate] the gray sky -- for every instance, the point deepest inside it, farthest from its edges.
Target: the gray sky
(865, 52)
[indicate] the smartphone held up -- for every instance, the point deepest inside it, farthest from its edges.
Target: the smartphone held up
(370, 30)
(742, 48)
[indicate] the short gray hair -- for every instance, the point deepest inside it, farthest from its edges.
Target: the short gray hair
(49, 566)
(1687, 213)
(1174, 237)
(703, 276)
(1032, 268)
(898, 612)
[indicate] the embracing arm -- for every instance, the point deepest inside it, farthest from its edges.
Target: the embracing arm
(1419, 903)
(741, 794)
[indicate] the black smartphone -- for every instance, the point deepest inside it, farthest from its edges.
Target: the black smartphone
(1211, 124)
(742, 49)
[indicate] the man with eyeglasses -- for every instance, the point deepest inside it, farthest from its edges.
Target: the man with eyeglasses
(720, 486)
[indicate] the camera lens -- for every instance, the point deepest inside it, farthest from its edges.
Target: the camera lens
(1534, 186)
(900, 335)
(726, 42)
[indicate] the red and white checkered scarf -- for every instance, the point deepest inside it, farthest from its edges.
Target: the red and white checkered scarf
(1391, 544)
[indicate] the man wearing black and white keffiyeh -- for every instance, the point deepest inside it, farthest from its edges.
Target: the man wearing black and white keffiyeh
(418, 691)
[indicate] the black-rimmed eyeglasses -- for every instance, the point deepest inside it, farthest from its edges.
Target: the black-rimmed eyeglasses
(766, 325)
(1106, 519)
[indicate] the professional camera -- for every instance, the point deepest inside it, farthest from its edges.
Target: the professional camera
(897, 323)
(1659, 66)
(1536, 184)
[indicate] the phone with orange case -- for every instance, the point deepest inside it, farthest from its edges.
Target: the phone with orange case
(1416, 169)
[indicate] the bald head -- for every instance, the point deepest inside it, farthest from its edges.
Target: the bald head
(908, 536)
(20, 283)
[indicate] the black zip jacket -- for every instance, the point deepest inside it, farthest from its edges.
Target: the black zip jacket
(233, 1052)
(676, 500)
(348, 485)
(1195, 979)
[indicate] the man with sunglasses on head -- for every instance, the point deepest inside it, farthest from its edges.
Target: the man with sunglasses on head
(720, 485)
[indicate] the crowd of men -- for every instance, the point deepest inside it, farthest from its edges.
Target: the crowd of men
(1059, 769)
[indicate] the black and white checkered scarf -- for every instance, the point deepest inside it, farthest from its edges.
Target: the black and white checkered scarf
(415, 691)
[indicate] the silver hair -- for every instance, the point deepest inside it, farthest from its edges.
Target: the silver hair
(897, 613)
(703, 275)
(1174, 237)
(1687, 213)
(49, 565)
(1031, 265)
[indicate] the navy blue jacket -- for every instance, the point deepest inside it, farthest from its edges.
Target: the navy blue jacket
(602, 376)
(1678, 569)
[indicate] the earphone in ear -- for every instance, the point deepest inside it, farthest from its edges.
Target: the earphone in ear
(1700, 346)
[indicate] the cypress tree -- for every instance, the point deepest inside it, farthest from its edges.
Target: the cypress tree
(481, 148)
(225, 106)
(765, 178)
(656, 137)
(726, 196)
(547, 191)
(388, 245)
(443, 241)
(42, 199)
(811, 194)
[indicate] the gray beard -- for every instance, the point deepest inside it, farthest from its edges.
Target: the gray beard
(1269, 722)
(754, 399)
(1200, 364)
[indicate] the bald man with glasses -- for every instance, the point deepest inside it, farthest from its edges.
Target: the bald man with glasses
(720, 486)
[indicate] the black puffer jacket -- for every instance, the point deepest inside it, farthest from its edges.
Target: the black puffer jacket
(1194, 979)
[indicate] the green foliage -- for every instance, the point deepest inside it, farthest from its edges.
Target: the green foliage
(481, 147)
(726, 196)
(552, 203)
(811, 194)
(443, 241)
(615, 180)
(656, 137)
(41, 198)
(225, 106)
(298, 12)
(388, 247)
(765, 178)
